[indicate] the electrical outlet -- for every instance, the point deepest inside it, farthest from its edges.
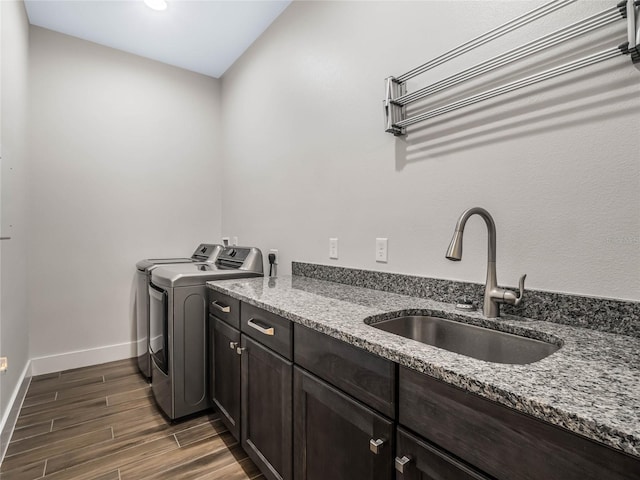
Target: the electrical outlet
(234, 241)
(4, 364)
(333, 248)
(225, 241)
(381, 250)
(275, 252)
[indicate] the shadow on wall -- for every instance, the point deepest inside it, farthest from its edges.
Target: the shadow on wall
(433, 139)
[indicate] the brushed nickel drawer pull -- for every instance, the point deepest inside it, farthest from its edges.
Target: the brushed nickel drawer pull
(266, 331)
(376, 445)
(401, 462)
(233, 345)
(239, 350)
(222, 308)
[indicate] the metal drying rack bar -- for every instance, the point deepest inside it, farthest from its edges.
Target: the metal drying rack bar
(397, 99)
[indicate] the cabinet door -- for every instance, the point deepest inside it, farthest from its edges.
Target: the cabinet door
(336, 437)
(225, 368)
(419, 460)
(266, 409)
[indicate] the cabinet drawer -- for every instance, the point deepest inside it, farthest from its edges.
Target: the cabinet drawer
(500, 441)
(419, 460)
(225, 308)
(269, 329)
(363, 375)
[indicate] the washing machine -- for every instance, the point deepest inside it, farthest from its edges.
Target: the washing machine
(205, 252)
(179, 309)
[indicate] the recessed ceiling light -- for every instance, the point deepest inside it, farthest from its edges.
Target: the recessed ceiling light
(158, 5)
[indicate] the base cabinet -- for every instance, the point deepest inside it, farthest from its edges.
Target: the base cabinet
(504, 443)
(344, 414)
(267, 409)
(225, 367)
(337, 437)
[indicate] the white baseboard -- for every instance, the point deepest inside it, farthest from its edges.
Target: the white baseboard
(13, 410)
(50, 364)
(82, 358)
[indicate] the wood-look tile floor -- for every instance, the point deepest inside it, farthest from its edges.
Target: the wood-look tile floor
(101, 423)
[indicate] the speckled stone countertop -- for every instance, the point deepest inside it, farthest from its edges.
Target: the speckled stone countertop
(590, 386)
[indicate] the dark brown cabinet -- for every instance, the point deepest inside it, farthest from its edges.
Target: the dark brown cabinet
(333, 415)
(419, 460)
(250, 353)
(337, 437)
(266, 409)
(500, 441)
(225, 372)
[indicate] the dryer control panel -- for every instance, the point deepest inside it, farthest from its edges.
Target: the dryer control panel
(244, 258)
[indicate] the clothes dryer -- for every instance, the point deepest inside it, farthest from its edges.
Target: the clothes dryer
(205, 252)
(178, 327)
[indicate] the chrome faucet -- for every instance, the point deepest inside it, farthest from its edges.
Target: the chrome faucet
(493, 296)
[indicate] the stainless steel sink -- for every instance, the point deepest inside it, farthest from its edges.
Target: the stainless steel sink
(470, 340)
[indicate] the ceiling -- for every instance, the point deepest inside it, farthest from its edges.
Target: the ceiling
(204, 36)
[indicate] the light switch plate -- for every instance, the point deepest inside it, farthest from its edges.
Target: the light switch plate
(333, 248)
(381, 250)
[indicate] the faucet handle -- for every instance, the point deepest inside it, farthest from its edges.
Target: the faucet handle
(511, 297)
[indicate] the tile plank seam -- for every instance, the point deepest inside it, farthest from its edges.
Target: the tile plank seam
(204, 455)
(116, 378)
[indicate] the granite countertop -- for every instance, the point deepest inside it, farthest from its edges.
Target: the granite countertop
(590, 386)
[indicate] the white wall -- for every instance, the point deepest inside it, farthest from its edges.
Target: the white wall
(13, 138)
(557, 164)
(125, 166)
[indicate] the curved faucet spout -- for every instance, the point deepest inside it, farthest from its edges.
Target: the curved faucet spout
(493, 295)
(454, 252)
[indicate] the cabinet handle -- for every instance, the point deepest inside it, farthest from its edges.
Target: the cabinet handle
(239, 350)
(266, 331)
(233, 345)
(401, 462)
(376, 445)
(222, 308)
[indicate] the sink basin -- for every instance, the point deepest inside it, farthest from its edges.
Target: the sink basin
(470, 340)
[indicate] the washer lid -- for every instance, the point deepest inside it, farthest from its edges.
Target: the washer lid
(206, 252)
(143, 265)
(171, 276)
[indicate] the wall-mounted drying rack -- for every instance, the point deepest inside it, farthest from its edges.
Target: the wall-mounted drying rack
(397, 98)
